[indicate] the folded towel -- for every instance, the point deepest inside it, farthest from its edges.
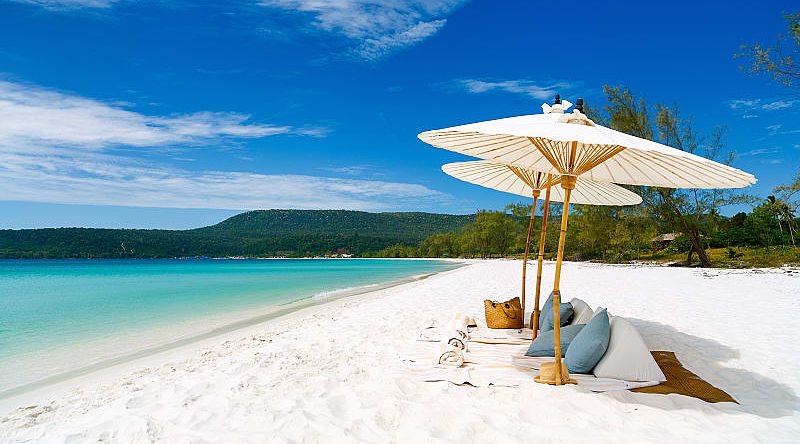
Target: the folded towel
(456, 340)
(451, 357)
(460, 323)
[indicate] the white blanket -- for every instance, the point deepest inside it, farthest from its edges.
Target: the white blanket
(497, 364)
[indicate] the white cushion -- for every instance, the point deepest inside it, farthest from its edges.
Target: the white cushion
(627, 356)
(582, 312)
(598, 309)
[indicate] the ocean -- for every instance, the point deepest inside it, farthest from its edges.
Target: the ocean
(63, 318)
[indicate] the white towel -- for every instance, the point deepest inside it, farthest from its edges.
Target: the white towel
(459, 323)
(451, 357)
(456, 342)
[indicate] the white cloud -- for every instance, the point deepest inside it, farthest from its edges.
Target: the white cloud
(760, 105)
(376, 48)
(350, 170)
(773, 129)
(743, 103)
(376, 27)
(762, 151)
(778, 104)
(33, 115)
(63, 148)
(70, 4)
(112, 180)
(380, 26)
(537, 90)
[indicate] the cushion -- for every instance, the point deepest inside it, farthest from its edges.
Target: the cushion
(589, 346)
(544, 344)
(627, 356)
(582, 312)
(599, 309)
(546, 317)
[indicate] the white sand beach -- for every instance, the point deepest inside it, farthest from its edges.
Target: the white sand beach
(329, 373)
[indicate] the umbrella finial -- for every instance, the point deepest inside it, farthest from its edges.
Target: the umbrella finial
(579, 104)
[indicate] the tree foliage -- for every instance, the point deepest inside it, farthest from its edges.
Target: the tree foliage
(781, 61)
(290, 233)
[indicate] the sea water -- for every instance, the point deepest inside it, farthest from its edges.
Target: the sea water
(63, 317)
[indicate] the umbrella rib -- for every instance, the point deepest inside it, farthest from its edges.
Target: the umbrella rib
(456, 136)
(695, 171)
(511, 183)
(469, 146)
(593, 196)
(494, 148)
(608, 170)
(636, 167)
(547, 154)
(603, 155)
(624, 167)
(729, 172)
(660, 162)
(506, 177)
(525, 154)
(452, 142)
(478, 175)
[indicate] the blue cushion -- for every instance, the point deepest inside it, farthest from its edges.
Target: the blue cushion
(544, 344)
(589, 346)
(546, 318)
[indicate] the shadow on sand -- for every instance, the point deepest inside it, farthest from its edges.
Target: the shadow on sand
(756, 393)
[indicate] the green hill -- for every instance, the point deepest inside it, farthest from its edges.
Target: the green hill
(254, 233)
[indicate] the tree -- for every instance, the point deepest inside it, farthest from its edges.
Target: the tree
(493, 232)
(786, 203)
(781, 61)
(682, 210)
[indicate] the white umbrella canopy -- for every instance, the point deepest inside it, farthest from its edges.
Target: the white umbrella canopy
(572, 144)
(515, 180)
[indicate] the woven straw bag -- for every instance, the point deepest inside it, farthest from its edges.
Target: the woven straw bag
(506, 314)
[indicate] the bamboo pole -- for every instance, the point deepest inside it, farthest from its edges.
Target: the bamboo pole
(542, 238)
(527, 247)
(568, 184)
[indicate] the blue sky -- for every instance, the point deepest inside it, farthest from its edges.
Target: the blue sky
(176, 114)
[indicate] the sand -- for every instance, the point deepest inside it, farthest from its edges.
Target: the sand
(329, 373)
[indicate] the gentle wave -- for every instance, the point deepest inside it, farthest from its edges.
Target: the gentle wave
(330, 293)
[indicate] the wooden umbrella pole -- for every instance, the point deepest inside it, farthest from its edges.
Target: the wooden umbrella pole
(568, 183)
(542, 238)
(527, 248)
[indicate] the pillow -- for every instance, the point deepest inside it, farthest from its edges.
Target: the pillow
(546, 317)
(544, 344)
(627, 356)
(599, 309)
(583, 312)
(589, 345)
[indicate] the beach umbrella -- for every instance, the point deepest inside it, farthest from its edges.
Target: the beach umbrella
(522, 182)
(569, 145)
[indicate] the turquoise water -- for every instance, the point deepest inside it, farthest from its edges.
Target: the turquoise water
(59, 315)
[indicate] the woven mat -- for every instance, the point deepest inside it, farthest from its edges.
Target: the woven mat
(682, 381)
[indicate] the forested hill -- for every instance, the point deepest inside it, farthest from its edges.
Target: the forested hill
(262, 233)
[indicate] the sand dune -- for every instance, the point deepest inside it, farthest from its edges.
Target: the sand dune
(326, 374)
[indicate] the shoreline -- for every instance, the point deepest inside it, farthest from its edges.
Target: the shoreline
(108, 368)
(334, 371)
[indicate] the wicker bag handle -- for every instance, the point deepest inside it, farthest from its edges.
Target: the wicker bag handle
(506, 306)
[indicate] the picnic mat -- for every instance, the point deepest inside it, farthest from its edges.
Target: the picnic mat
(683, 382)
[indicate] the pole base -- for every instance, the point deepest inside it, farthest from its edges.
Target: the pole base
(547, 374)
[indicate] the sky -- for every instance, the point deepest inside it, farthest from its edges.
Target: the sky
(178, 114)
